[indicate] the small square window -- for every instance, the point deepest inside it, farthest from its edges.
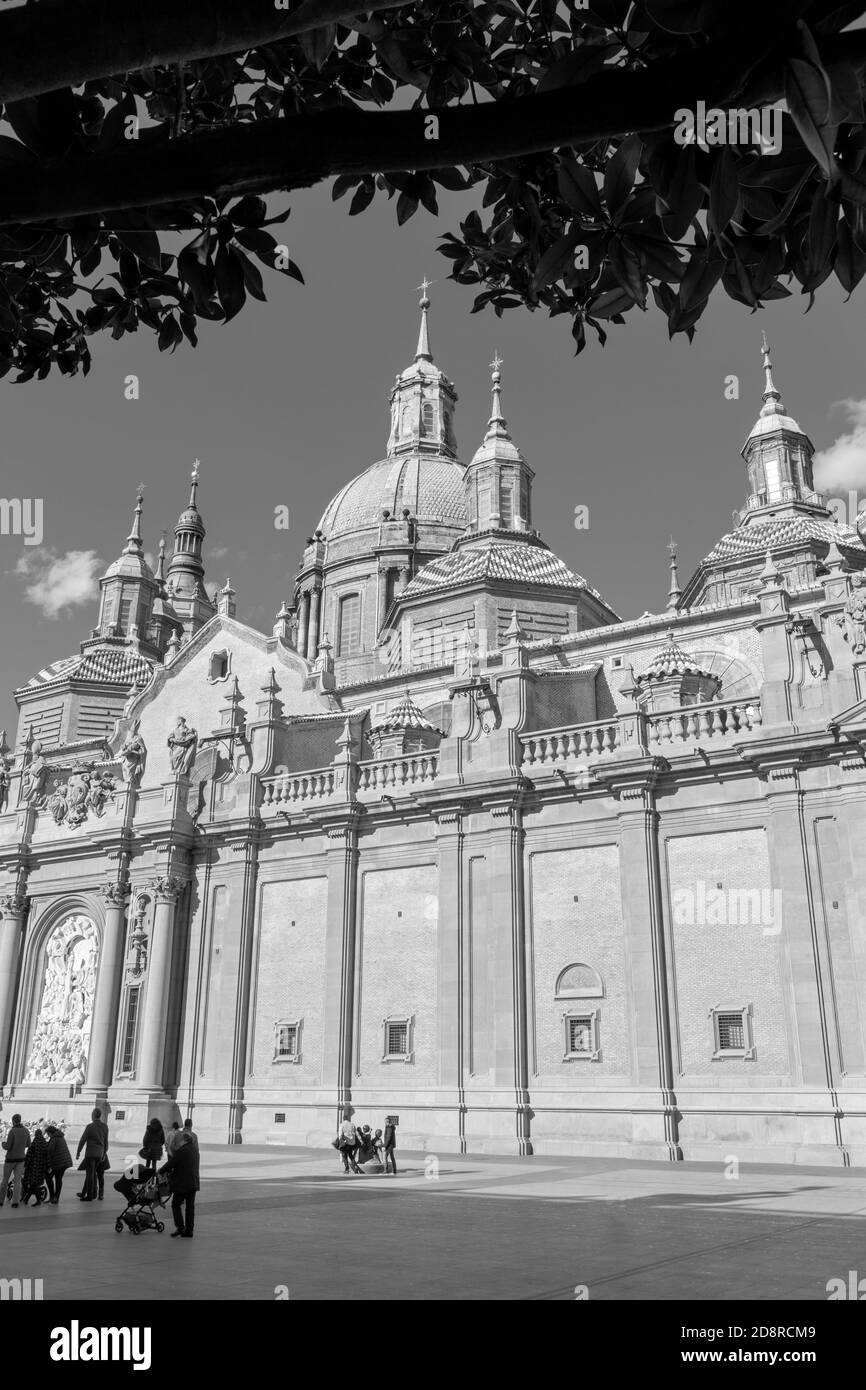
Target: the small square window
(732, 1033)
(219, 666)
(120, 1114)
(397, 1042)
(287, 1041)
(581, 1037)
(280, 1117)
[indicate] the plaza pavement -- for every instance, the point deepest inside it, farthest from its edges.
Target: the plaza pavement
(478, 1228)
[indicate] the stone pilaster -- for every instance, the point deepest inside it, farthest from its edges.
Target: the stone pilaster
(103, 1026)
(151, 1050)
(340, 948)
(13, 914)
(452, 1019)
(506, 889)
(242, 1033)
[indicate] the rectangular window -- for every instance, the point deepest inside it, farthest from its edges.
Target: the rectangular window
(287, 1041)
(130, 1027)
(506, 506)
(349, 639)
(581, 1037)
(398, 1040)
(732, 1033)
(773, 475)
(125, 611)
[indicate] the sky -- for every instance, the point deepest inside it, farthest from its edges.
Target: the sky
(290, 400)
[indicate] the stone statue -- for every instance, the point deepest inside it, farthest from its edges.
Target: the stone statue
(57, 804)
(5, 779)
(182, 743)
(77, 791)
(133, 756)
(100, 790)
(34, 777)
(855, 621)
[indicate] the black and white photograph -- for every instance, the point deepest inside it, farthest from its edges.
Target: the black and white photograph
(433, 653)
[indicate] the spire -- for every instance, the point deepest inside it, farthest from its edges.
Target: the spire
(193, 486)
(133, 540)
(422, 401)
(676, 592)
(772, 398)
(186, 567)
(160, 563)
(423, 348)
(496, 426)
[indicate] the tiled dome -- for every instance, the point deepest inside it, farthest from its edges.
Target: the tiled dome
(429, 485)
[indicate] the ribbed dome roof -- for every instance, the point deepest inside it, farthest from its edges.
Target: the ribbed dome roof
(509, 561)
(429, 485)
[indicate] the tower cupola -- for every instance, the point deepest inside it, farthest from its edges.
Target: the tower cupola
(778, 453)
(498, 480)
(423, 401)
(185, 581)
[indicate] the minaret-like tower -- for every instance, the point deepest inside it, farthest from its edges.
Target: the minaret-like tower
(128, 588)
(185, 583)
(778, 454)
(423, 400)
(498, 480)
(675, 593)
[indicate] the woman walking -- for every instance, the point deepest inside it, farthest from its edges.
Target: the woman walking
(59, 1161)
(35, 1169)
(152, 1145)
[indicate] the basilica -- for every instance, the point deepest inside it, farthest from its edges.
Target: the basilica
(454, 841)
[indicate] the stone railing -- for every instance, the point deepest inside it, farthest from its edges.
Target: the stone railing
(702, 723)
(287, 789)
(558, 745)
(409, 770)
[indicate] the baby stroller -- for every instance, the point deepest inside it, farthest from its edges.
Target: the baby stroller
(40, 1192)
(142, 1196)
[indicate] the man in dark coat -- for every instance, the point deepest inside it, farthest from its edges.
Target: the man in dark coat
(183, 1174)
(16, 1144)
(93, 1142)
(390, 1144)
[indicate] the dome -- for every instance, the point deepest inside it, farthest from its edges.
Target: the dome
(428, 484)
(508, 561)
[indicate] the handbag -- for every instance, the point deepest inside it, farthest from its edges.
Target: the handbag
(337, 1143)
(103, 1165)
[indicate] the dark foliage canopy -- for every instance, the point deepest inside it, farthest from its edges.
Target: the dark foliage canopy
(139, 142)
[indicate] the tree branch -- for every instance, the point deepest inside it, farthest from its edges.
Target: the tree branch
(51, 45)
(297, 151)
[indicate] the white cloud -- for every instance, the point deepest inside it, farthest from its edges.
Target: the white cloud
(57, 582)
(843, 465)
(218, 552)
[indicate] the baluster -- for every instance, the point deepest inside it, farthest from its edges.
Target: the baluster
(718, 721)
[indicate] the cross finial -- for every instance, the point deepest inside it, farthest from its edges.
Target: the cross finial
(424, 287)
(195, 470)
(672, 548)
(496, 363)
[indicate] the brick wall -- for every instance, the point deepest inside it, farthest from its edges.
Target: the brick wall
(397, 972)
(563, 932)
(732, 962)
(290, 978)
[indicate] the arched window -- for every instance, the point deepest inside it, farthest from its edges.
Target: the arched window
(349, 634)
(428, 419)
(579, 981)
(61, 1036)
(219, 666)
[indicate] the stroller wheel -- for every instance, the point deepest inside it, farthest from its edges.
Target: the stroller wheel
(118, 1225)
(160, 1225)
(136, 1230)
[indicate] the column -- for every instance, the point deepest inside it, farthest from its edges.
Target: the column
(453, 1010)
(342, 871)
(505, 886)
(103, 1026)
(151, 1051)
(313, 631)
(405, 577)
(13, 912)
(303, 622)
(384, 575)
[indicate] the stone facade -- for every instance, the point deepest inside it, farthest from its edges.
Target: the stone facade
(559, 884)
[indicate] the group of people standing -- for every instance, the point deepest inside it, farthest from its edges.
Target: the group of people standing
(34, 1162)
(358, 1144)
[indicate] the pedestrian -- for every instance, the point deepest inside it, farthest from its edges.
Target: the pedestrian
(390, 1141)
(59, 1161)
(188, 1129)
(93, 1142)
(16, 1144)
(173, 1138)
(35, 1169)
(348, 1142)
(182, 1170)
(378, 1145)
(152, 1145)
(103, 1164)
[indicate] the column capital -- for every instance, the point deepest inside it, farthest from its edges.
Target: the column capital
(166, 890)
(115, 894)
(13, 904)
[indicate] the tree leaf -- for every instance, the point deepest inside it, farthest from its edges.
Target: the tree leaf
(577, 186)
(229, 281)
(620, 174)
(316, 44)
(555, 260)
(806, 96)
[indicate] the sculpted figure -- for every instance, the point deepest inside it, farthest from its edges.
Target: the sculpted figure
(77, 789)
(35, 776)
(182, 743)
(5, 779)
(101, 788)
(855, 615)
(133, 756)
(57, 803)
